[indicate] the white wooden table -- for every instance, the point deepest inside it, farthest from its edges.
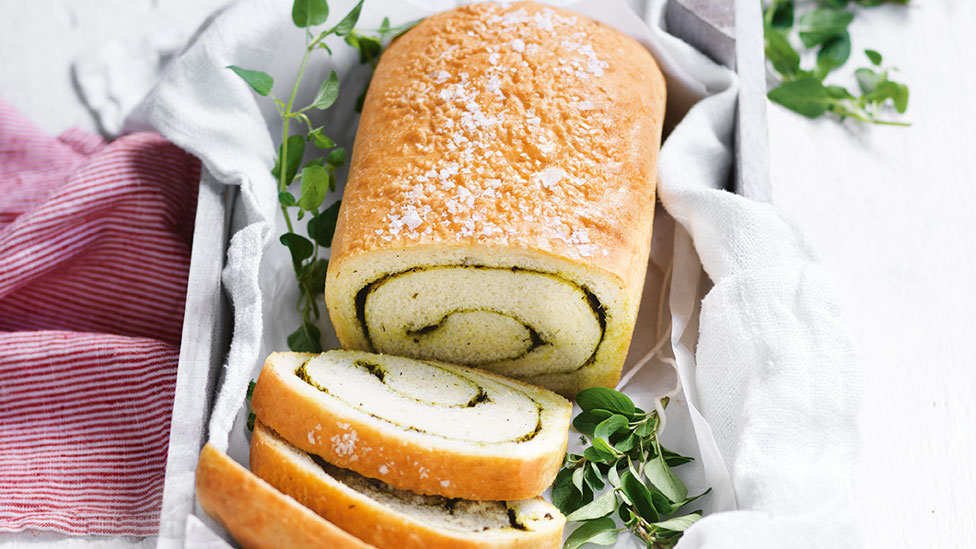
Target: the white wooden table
(892, 210)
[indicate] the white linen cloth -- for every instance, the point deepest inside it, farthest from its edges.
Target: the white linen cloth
(767, 369)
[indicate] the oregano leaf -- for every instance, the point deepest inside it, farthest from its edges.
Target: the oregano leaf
(806, 96)
(602, 531)
(315, 184)
(349, 21)
(327, 94)
(306, 13)
(259, 81)
(874, 57)
(306, 339)
(602, 398)
(599, 507)
(322, 227)
(300, 248)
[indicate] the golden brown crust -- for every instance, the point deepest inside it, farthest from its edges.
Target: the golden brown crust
(374, 522)
(299, 415)
(506, 136)
(256, 514)
(555, 91)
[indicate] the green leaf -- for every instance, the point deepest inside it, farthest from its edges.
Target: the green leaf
(627, 443)
(836, 3)
(368, 47)
(609, 426)
(300, 248)
(613, 476)
(782, 14)
(678, 524)
(867, 80)
(306, 339)
(593, 477)
(578, 478)
(251, 417)
(296, 150)
(349, 21)
(602, 531)
(806, 96)
(337, 157)
(564, 493)
(600, 507)
(305, 13)
(287, 199)
(313, 275)
(663, 478)
(780, 52)
(250, 390)
(322, 227)
(822, 24)
(837, 92)
(834, 53)
(315, 184)
(319, 139)
(327, 94)
(647, 428)
(603, 449)
(259, 81)
(586, 422)
(666, 507)
(874, 56)
(638, 493)
(899, 96)
(602, 398)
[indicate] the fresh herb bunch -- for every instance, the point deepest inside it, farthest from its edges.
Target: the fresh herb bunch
(625, 456)
(825, 27)
(317, 176)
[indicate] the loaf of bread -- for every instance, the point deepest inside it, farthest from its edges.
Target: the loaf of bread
(500, 198)
(256, 514)
(431, 428)
(389, 518)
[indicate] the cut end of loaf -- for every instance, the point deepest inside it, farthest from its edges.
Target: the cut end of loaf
(525, 315)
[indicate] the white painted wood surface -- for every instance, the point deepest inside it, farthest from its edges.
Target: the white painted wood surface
(893, 211)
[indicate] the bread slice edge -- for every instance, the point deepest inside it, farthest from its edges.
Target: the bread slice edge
(295, 473)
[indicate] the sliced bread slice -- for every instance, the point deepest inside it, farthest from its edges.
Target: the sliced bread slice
(256, 514)
(427, 427)
(389, 518)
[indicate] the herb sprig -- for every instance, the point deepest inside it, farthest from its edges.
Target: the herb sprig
(825, 27)
(629, 466)
(318, 175)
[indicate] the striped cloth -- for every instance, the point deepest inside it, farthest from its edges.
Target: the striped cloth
(94, 255)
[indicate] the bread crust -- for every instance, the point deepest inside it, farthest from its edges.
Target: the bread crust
(296, 411)
(256, 514)
(556, 154)
(374, 522)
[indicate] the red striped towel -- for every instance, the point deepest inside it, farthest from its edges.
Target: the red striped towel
(94, 255)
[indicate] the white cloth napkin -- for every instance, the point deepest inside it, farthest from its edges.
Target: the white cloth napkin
(768, 371)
